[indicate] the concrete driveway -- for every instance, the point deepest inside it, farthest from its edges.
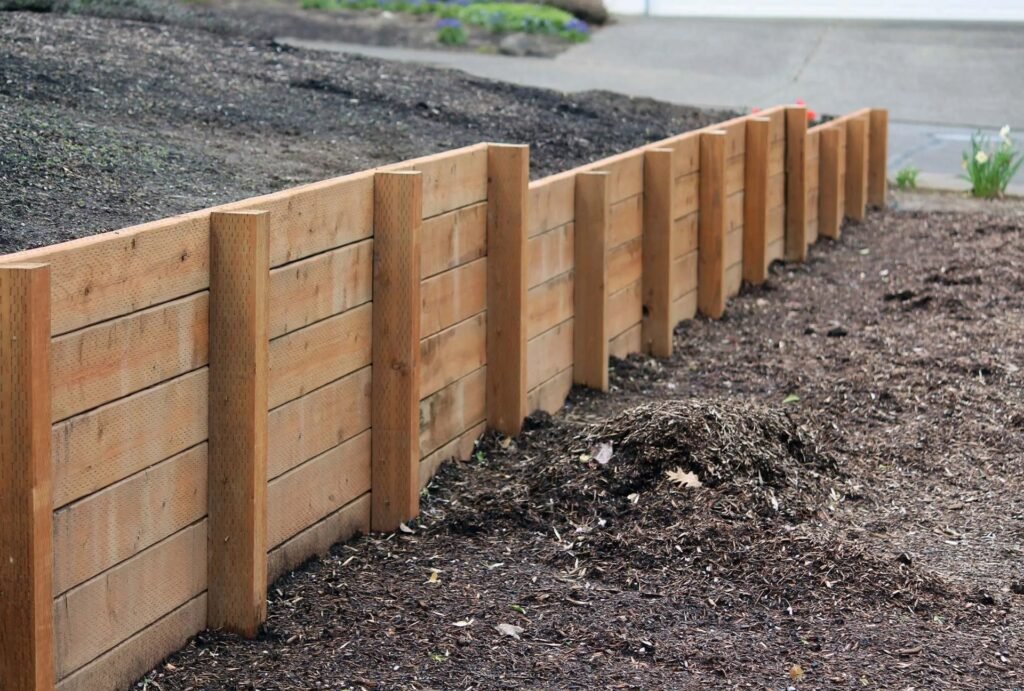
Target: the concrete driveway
(939, 80)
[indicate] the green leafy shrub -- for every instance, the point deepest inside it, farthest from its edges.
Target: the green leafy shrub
(906, 178)
(450, 32)
(990, 167)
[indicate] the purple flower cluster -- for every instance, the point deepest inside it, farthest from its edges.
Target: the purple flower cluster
(577, 25)
(449, 23)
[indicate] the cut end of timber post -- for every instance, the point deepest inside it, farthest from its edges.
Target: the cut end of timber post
(590, 293)
(508, 179)
(395, 402)
(237, 494)
(658, 252)
(796, 183)
(830, 215)
(711, 226)
(26, 504)
(755, 200)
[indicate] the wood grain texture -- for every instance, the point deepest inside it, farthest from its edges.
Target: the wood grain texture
(458, 449)
(550, 353)
(711, 246)
(110, 443)
(239, 363)
(830, 214)
(625, 265)
(625, 220)
(550, 395)
(312, 289)
(115, 524)
(308, 426)
(625, 343)
(305, 495)
(878, 156)
(590, 297)
(551, 254)
(451, 179)
(122, 666)
(685, 230)
(658, 252)
(686, 194)
(316, 540)
(453, 296)
(551, 203)
(796, 184)
(105, 362)
(451, 411)
(856, 168)
(101, 613)
(398, 210)
(625, 309)
(755, 200)
(508, 176)
(26, 505)
(305, 360)
(452, 354)
(550, 304)
(453, 239)
(685, 154)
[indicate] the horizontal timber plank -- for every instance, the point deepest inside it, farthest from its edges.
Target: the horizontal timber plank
(684, 275)
(686, 193)
(625, 175)
(625, 264)
(460, 449)
(625, 221)
(106, 528)
(105, 445)
(453, 239)
(777, 190)
(549, 353)
(625, 343)
(122, 666)
(734, 211)
(685, 307)
(110, 608)
(550, 253)
(108, 361)
(685, 155)
(549, 304)
(307, 359)
(776, 225)
(306, 427)
(450, 297)
(733, 279)
(625, 309)
(451, 411)
(305, 495)
(735, 174)
(776, 251)
(316, 540)
(451, 179)
(777, 157)
(550, 396)
(551, 202)
(453, 353)
(734, 246)
(312, 289)
(685, 231)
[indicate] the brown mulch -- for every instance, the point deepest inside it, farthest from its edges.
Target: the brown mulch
(856, 428)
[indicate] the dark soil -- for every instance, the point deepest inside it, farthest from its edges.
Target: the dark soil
(857, 429)
(106, 123)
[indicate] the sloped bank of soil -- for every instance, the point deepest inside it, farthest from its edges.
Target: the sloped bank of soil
(858, 525)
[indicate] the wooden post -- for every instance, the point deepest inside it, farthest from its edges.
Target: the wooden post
(26, 504)
(711, 231)
(590, 323)
(878, 156)
(830, 216)
(796, 184)
(508, 179)
(755, 200)
(237, 486)
(395, 403)
(658, 253)
(856, 167)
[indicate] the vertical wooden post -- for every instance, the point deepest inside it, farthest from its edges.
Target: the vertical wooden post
(590, 323)
(26, 504)
(755, 200)
(658, 253)
(830, 216)
(878, 156)
(856, 167)
(508, 179)
(711, 230)
(237, 487)
(395, 402)
(796, 184)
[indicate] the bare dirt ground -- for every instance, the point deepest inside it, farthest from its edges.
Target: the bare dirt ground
(106, 123)
(857, 427)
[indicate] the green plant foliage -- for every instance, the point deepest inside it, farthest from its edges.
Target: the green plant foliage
(906, 178)
(990, 167)
(451, 32)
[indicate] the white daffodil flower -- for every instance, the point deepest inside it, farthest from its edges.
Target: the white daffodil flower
(981, 157)
(1004, 133)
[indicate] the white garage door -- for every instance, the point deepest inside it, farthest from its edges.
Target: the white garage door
(932, 10)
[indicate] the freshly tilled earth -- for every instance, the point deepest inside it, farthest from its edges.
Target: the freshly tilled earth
(856, 427)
